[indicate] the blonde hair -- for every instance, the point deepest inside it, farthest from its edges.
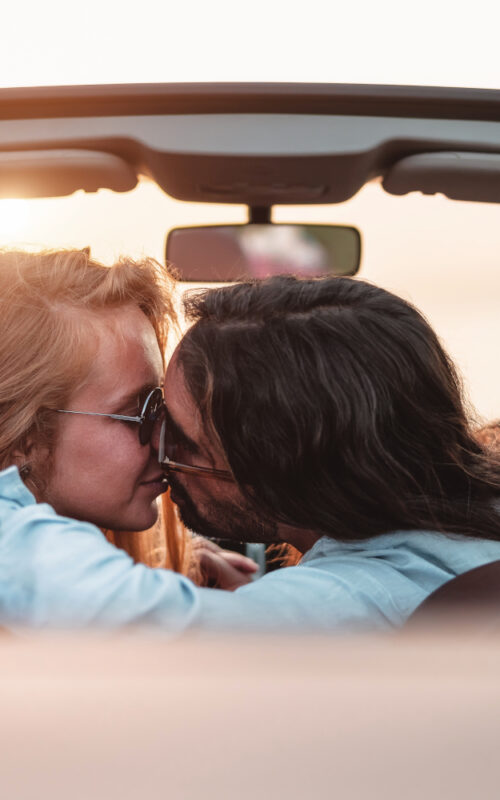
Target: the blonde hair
(47, 302)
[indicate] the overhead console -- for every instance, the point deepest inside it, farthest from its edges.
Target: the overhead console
(256, 144)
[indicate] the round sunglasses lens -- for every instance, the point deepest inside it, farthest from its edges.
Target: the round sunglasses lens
(153, 408)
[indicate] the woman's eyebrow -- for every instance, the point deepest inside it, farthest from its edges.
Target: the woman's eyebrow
(134, 395)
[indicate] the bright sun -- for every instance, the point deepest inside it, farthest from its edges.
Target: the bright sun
(14, 216)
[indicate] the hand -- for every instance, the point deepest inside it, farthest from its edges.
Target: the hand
(218, 568)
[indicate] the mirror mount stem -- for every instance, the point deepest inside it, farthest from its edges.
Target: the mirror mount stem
(259, 215)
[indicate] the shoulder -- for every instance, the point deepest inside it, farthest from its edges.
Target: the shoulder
(25, 522)
(13, 492)
(28, 526)
(317, 595)
(56, 571)
(372, 583)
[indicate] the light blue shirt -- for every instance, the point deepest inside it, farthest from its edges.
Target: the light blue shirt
(57, 572)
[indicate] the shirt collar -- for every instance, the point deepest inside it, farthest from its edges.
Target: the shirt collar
(322, 547)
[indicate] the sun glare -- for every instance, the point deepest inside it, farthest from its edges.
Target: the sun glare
(14, 218)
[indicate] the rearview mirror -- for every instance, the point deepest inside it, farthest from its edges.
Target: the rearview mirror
(239, 252)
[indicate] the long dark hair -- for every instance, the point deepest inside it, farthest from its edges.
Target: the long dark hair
(338, 409)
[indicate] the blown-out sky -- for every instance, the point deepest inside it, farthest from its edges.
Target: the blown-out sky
(435, 42)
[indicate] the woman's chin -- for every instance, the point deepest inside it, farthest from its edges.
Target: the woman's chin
(141, 520)
(145, 520)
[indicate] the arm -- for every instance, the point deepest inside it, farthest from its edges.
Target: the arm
(58, 572)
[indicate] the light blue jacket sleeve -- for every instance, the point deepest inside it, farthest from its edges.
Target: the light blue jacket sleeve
(60, 573)
(301, 598)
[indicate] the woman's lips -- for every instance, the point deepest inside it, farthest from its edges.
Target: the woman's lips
(158, 484)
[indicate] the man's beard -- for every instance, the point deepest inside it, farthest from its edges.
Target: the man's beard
(224, 520)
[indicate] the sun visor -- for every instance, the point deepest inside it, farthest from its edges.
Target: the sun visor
(56, 173)
(459, 176)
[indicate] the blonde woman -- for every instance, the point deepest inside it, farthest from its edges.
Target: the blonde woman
(81, 354)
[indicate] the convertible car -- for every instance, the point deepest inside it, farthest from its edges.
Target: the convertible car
(398, 184)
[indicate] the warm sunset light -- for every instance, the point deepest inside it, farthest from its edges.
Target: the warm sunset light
(14, 220)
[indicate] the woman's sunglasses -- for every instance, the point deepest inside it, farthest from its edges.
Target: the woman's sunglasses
(152, 411)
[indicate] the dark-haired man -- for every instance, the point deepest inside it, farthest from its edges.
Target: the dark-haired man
(325, 414)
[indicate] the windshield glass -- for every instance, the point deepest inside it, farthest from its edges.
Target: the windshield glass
(440, 254)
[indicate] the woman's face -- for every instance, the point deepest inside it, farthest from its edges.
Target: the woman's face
(101, 473)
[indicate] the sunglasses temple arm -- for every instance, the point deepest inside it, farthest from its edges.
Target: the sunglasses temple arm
(99, 414)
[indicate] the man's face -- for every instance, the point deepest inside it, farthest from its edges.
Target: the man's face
(207, 505)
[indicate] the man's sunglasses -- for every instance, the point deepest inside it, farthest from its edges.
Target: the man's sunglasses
(152, 412)
(167, 457)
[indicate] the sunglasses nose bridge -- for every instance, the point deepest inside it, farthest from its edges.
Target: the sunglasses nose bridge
(152, 413)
